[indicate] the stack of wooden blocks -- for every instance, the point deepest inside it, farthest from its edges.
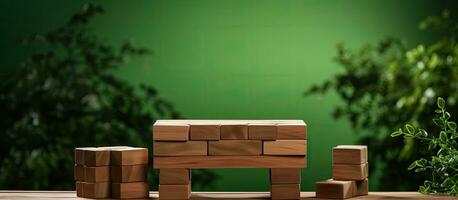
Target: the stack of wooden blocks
(349, 173)
(180, 145)
(111, 172)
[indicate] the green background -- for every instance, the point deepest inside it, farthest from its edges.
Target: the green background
(237, 59)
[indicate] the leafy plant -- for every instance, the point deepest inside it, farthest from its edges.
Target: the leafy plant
(65, 96)
(442, 167)
(386, 85)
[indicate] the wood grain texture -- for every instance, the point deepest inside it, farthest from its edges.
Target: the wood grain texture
(79, 154)
(228, 121)
(230, 162)
(285, 175)
(334, 189)
(174, 176)
(94, 157)
(296, 131)
(96, 190)
(170, 132)
(349, 154)
(234, 131)
(79, 172)
(189, 148)
(70, 195)
(262, 131)
(211, 131)
(97, 174)
(350, 172)
(174, 191)
(128, 173)
(79, 189)
(362, 187)
(235, 147)
(285, 147)
(285, 191)
(130, 156)
(134, 190)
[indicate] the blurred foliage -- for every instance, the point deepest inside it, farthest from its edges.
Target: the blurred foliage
(66, 96)
(386, 85)
(442, 167)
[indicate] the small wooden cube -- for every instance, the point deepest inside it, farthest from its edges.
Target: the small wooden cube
(211, 131)
(174, 176)
(128, 173)
(170, 132)
(131, 156)
(96, 190)
(294, 131)
(285, 191)
(174, 191)
(262, 131)
(234, 147)
(94, 157)
(285, 147)
(79, 154)
(350, 172)
(79, 189)
(362, 187)
(333, 189)
(134, 190)
(189, 148)
(285, 175)
(79, 173)
(349, 154)
(97, 174)
(234, 131)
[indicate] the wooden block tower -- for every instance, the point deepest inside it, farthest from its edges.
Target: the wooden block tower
(111, 172)
(349, 173)
(182, 145)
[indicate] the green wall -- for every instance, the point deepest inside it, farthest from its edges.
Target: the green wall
(236, 59)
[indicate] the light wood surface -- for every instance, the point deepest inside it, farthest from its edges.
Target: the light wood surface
(234, 147)
(285, 147)
(285, 191)
(285, 175)
(205, 132)
(128, 173)
(132, 190)
(97, 174)
(350, 172)
(262, 131)
(234, 131)
(230, 162)
(130, 156)
(174, 176)
(175, 191)
(189, 148)
(170, 132)
(292, 131)
(68, 195)
(349, 154)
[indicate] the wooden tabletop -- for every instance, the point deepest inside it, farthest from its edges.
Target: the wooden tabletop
(66, 195)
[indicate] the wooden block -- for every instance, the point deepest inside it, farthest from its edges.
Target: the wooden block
(349, 154)
(79, 173)
(285, 147)
(234, 131)
(262, 131)
(296, 131)
(285, 175)
(96, 190)
(134, 190)
(350, 172)
(79, 189)
(97, 174)
(174, 191)
(333, 189)
(94, 157)
(362, 187)
(189, 148)
(205, 132)
(234, 147)
(131, 156)
(170, 132)
(128, 173)
(174, 176)
(285, 191)
(230, 162)
(79, 154)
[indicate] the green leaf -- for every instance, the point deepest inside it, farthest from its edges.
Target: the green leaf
(438, 111)
(412, 166)
(451, 125)
(440, 103)
(396, 133)
(410, 129)
(443, 137)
